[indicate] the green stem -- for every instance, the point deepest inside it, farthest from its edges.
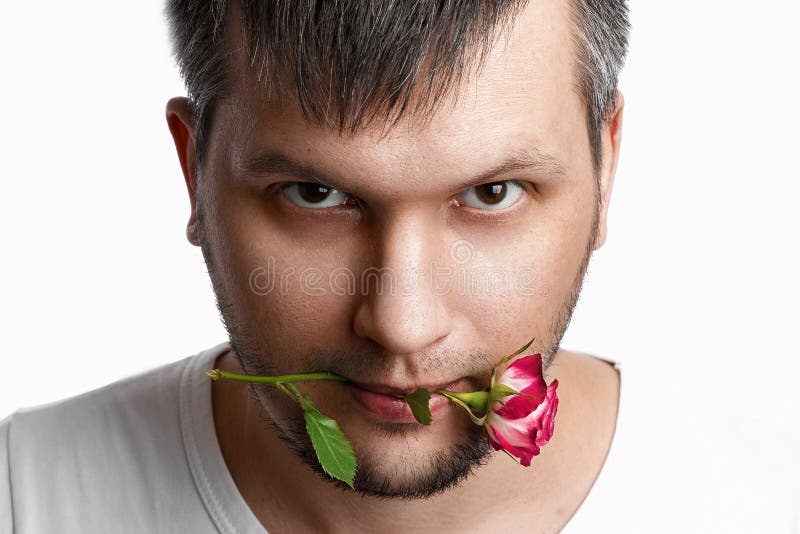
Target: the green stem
(454, 398)
(475, 399)
(291, 394)
(216, 374)
(294, 392)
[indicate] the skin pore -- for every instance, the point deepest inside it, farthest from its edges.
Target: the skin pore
(405, 202)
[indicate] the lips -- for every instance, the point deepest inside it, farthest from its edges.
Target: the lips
(389, 390)
(379, 402)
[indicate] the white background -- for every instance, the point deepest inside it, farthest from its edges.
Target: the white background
(696, 291)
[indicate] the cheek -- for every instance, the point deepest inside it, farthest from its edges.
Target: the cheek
(565, 248)
(281, 291)
(524, 277)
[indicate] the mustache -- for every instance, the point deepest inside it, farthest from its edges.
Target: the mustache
(373, 366)
(368, 365)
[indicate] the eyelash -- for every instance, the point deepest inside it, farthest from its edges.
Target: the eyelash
(352, 202)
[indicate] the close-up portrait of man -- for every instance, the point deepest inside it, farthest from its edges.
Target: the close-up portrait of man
(391, 197)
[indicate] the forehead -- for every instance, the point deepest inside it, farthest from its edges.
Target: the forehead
(525, 94)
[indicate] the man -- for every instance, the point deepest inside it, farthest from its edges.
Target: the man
(465, 152)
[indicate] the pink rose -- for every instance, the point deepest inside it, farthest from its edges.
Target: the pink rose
(520, 424)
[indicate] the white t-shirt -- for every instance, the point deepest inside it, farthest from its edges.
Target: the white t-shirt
(141, 455)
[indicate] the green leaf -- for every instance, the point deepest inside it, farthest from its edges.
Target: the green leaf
(418, 402)
(334, 452)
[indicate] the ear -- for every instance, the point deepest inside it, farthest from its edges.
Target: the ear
(181, 126)
(611, 139)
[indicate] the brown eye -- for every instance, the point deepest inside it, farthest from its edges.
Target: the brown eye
(492, 193)
(492, 196)
(313, 195)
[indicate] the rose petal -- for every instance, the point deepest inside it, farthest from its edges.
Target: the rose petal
(516, 406)
(522, 434)
(524, 374)
(524, 453)
(519, 433)
(548, 417)
(490, 432)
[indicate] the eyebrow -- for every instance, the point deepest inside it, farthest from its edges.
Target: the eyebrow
(525, 158)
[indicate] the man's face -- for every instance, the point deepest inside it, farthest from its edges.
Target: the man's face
(509, 260)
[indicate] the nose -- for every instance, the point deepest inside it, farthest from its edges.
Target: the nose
(412, 315)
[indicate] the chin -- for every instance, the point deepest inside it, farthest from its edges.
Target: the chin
(412, 469)
(398, 460)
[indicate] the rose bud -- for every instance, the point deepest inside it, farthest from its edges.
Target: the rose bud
(522, 408)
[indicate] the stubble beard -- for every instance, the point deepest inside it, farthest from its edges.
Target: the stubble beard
(427, 476)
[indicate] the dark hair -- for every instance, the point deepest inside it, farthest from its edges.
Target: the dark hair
(349, 63)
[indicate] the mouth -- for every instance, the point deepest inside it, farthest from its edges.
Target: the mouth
(392, 390)
(381, 403)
